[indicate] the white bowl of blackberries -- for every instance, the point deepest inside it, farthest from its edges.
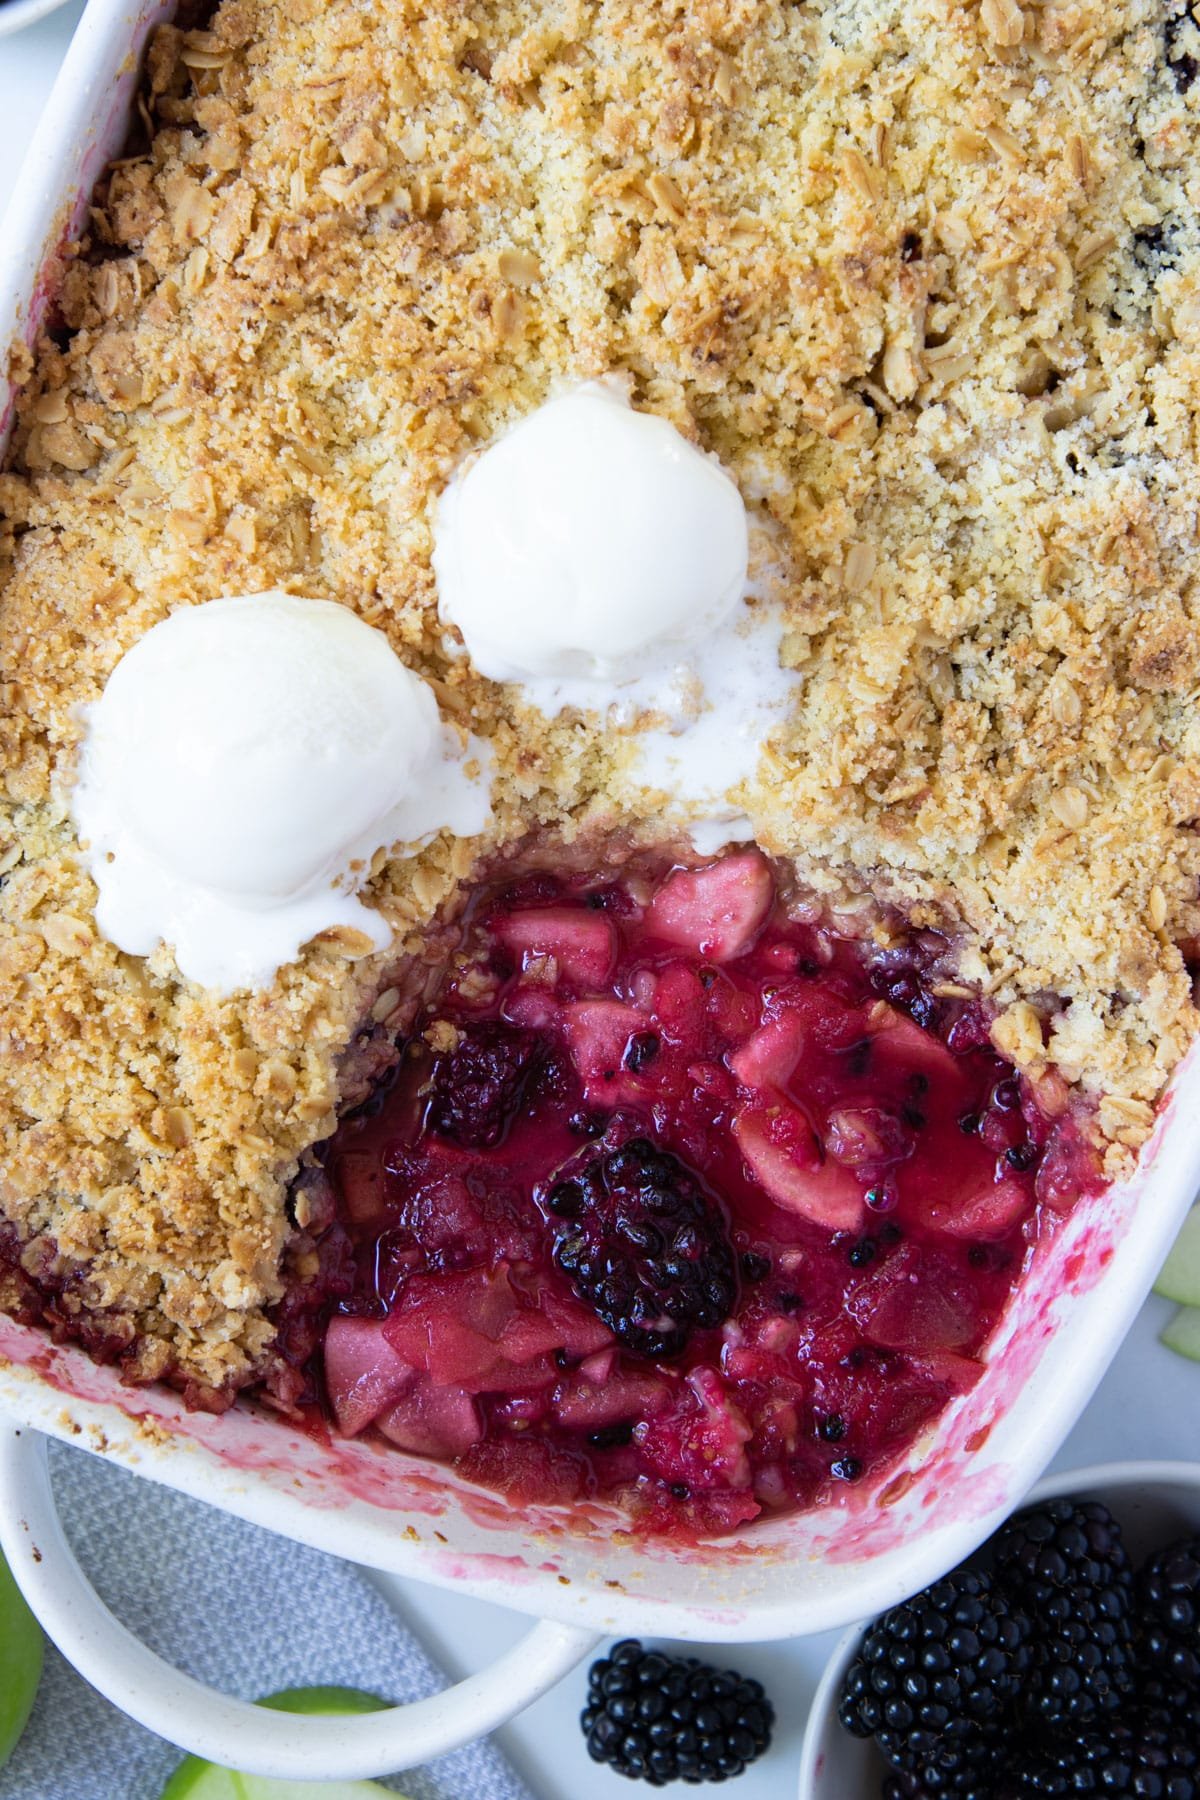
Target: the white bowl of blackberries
(1061, 1660)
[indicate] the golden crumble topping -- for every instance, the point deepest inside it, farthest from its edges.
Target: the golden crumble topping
(927, 278)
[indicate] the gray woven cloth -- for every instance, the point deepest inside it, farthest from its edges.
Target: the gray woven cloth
(232, 1605)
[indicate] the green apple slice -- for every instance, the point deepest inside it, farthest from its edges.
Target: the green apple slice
(325, 1700)
(1180, 1277)
(198, 1780)
(1183, 1333)
(20, 1662)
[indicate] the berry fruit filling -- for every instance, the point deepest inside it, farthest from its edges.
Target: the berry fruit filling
(684, 1200)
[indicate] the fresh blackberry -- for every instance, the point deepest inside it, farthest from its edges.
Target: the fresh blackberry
(1143, 1756)
(643, 1245)
(934, 1680)
(672, 1718)
(1168, 1594)
(1175, 1705)
(477, 1086)
(1164, 1758)
(1066, 1567)
(1064, 1770)
(984, 1783)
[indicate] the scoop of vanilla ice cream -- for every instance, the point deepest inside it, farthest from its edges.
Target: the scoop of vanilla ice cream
(250, 743)
(587, 538)
(245, 761)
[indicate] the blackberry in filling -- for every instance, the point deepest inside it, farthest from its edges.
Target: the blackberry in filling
(643, 1246)
(476, 1086)
(683, 1199)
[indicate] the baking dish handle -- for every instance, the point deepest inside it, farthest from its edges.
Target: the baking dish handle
(282, 1746)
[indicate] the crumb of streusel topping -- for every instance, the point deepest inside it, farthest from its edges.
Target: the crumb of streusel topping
(926, 278)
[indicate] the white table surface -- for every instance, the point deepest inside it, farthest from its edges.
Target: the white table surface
(1148, 1405)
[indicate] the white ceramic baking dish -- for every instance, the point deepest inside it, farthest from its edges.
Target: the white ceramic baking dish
(579, 1571)
(16, 14)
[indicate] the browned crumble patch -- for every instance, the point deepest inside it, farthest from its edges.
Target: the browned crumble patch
(890, 263)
